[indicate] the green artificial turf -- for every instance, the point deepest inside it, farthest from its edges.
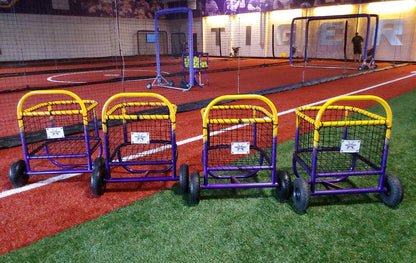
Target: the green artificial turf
(251, 225)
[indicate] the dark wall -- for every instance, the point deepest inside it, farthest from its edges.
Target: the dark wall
(145, 9)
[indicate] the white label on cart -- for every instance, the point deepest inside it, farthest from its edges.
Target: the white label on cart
(350, 146)
(240, 147)
(140, 138)
(55, 133)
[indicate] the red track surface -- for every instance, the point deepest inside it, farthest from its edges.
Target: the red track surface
(34, 214)
(223, 82)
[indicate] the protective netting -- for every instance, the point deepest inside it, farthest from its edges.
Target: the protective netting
(327, 42)
(99, 48)
(54, 131)
(244, 144)
(146, 42)
(139, 132)
(354, 126)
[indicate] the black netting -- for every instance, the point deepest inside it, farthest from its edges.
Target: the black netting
(330, 158)
(224, 135)
(140, 132)
(67, 118)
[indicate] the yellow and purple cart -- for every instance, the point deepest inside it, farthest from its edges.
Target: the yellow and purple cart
(59, 134)
(139, 141)
(239, 147)
(343, 150)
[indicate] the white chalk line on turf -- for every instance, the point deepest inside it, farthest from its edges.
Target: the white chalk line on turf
(106, 73)
(192, 139)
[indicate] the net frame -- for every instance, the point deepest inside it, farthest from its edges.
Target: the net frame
(73, 122)
(231, 120)
(146, 114)
(292, 60)
(318, 142)
(160, 80)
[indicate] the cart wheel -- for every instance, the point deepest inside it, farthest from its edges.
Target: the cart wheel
(171, 83)
(195, 188)
(393, 194)
(375, 66)
(183, 84)
(301, 195)
(284, 188)
(148, 85)
(17, 174)
(366, 67)
(360, 68)
(99, 172)
(184, 178)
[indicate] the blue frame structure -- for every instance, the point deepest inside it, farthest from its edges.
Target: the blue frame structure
(313, 18)
(160, 80)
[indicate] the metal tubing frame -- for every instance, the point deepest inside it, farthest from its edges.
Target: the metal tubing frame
(159, 78)
(312, 18)
(172, 163)
(206, 137)
(84, 111)
(312, 170)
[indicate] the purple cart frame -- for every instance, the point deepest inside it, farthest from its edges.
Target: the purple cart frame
(242, 143)
(140, 138)
(58, 137)
(337, 141)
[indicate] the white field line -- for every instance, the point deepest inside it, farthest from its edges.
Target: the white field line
(164, 147)
(189, 140)
(36, 185)
(109, 74)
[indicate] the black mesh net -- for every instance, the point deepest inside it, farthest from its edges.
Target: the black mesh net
(140, 132)
(244, 144)
(344, 123)
(54, 131)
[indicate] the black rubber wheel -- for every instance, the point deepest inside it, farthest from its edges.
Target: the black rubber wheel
(195, 188)
(360, 68)
(171, 83)
(184, 178)
(366, 67)
(393, 194)
(183, 84)
(301, 195)
(99, 172)
(17, 174)
(375, 66)
(148, 86)
(284, 187)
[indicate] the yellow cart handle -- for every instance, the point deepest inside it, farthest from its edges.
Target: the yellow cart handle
(205, 111)
(389, 115)
(172, 107)
(318, 122)
(50, 92)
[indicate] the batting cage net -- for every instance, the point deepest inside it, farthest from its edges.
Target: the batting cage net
(328, 41)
